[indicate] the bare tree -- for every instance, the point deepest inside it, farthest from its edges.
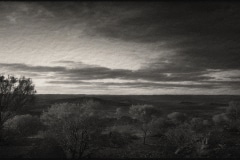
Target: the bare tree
(14, 95)
(74, 127)
(145, 114)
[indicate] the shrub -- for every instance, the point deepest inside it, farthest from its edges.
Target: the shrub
(177, 117)
(202, 145)
(206, 122)
(120, 139)
(74, 127)
(220, 118)
(159, 126)
(119, 113)
(126, 120)
(145, 114)
(24, 125)
(232, 111)
(123, 129)
(230, 119)
(199, 124)
(181, 137)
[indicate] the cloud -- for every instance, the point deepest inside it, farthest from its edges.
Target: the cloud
(152, 75)
(140, 84)
(204, 34)
(97, 72)
(81, 78)
(20, 12)
(63, 61)
(28, 68)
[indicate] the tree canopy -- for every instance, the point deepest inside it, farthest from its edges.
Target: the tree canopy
(15, 93)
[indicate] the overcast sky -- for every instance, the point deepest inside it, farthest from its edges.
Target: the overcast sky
(123, 47)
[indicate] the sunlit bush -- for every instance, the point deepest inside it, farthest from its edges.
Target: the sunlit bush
(74, 127)
(145, 112)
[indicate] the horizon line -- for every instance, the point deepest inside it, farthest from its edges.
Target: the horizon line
(141, 94)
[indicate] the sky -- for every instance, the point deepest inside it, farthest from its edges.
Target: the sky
(140, 48)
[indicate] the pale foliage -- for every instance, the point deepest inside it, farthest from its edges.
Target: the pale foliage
(144, 113)
(74, 126)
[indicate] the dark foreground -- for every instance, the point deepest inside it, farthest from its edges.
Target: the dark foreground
(223, 142)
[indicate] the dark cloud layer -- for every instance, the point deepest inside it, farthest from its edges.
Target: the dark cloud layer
(153, 85)
(97, 72)
(205, 33)
(27, 68)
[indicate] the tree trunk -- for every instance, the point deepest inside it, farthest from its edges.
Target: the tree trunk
(1, 127)
(1, 136)
(73, 155)
(144, 138)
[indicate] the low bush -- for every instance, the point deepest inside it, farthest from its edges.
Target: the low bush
(181, 137)
(128, 129)
(159, 126)
(199, 124)
(220, 118)
(177, 117)
(23, 125)
(232, 111)
(120, 139)
(75, 127)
